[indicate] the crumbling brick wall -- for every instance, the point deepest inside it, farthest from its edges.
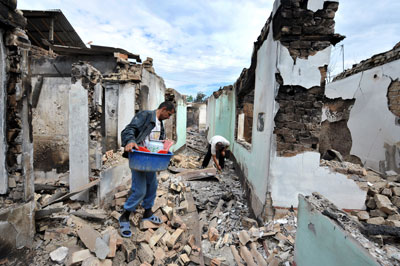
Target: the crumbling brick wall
(335, 133)
(303, 31)
(393, 96)
(18, 117)
(297, 123)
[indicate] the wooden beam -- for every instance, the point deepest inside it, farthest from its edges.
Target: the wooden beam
(54, 32)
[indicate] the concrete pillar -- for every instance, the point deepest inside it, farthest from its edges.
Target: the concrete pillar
(3, 145)
(126, 106)
(111, 116)
(78, 139)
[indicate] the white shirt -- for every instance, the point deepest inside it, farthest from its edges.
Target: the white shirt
(214, 140)
(154, 134)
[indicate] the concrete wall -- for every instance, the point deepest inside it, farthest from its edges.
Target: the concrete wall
(320, 241)
(265, 171)
(202, 116)
(126, 106)
(79, 167)
(3, 110)
(156, 88)
(50, 124)
(375, 130)
(111, 116)
(180, 124)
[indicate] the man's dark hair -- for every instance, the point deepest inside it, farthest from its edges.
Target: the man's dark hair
(169, 106)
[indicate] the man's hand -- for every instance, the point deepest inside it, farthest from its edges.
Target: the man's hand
(130, 146)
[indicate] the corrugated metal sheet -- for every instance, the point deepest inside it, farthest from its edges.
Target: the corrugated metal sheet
(38, 26)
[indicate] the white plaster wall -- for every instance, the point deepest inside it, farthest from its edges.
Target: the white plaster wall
(111, 115)
(3, 110)
(202, 115)
(156, 89)
(79, 140)
(126, 107)
(305, 72)
(50, 118)
(301, 174)
(371, 123)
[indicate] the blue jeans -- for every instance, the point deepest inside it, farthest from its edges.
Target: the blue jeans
(144, 188)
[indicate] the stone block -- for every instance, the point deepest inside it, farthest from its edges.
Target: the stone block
(17, 225)
(145, 253)
(158, 234)
(376, 220)
(396, 191)
(129, 249)
(79, 256)
(363, 215)
(396, 201)
(377, 213)
(59, 254)
(174, 237)
(384, 204)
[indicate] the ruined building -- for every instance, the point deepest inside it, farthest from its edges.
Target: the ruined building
(64, 105)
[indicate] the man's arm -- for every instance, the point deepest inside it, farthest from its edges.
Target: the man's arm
(216, 162)
(128, 138)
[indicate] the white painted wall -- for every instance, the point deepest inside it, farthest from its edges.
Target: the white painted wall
(79, 166)
(3, 110)
(301, 174)
(202, 116)
(372, 125)
(156, 87)
(126, 106)
(111, 115)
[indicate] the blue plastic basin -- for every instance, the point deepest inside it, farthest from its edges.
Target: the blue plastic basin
(149, 161)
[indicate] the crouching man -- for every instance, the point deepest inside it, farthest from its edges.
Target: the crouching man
(144, 127)
(217, 148)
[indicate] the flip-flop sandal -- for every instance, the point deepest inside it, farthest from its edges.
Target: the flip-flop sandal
(125, 229)
(154, 219)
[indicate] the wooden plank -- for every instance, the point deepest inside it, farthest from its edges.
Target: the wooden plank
(79, 190)
(191, 175)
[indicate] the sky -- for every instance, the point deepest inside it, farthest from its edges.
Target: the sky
(198, 46)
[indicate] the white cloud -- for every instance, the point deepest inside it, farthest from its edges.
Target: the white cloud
(199, 45)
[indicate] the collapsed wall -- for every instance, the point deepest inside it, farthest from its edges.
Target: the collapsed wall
(17, 222)
(372, 121)
(281, 96)
(328, 236)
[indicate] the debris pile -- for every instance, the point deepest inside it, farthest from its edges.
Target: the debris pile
(229, 235)
(381, 217)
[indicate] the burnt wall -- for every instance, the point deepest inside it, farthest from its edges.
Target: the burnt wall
(298, 121)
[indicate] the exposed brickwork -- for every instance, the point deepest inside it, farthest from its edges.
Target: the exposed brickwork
(298, 121)
(18, 91)
(303, 31)
(335, 133)
(393, 96)
(374, 61)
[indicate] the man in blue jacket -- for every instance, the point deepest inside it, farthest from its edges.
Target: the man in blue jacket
(145, 126)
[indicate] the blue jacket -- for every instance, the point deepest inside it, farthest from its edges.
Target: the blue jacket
(140, 127)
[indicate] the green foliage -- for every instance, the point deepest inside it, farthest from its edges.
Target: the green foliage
(189, 99)
(199, 97)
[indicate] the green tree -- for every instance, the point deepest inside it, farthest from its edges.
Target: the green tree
(199, 97)
(189, 99)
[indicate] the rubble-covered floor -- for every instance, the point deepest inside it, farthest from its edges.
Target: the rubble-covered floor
(205, 214)
(206, 220)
